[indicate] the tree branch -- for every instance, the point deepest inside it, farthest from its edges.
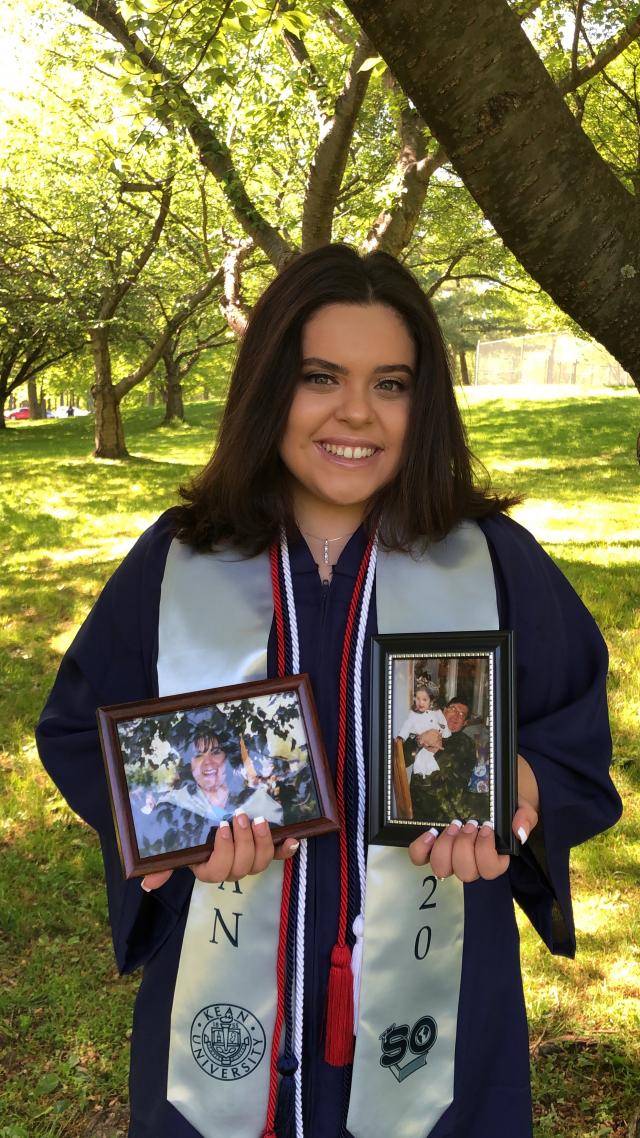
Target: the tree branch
(232, 304)
(214, 153)
(455, 260)
(332, 151)
(184, 309)
(115, 295)
(577, 29)
(393, 228)
(338, 25)
(579, 75)
(299, 54)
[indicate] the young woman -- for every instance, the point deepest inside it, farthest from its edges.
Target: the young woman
(340, 489)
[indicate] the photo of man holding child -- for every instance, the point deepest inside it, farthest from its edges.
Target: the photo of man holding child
(441, 729)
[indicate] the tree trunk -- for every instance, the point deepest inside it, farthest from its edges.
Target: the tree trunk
(35, 407)
(109, 431)
(464, 370)
(477, 81)
(174, 411)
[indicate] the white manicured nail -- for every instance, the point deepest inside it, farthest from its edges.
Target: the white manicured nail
(472, 822)
(522, 834)
(258, 820)
(454, 825)
(489, 824)
(145, 887)
(433, 831)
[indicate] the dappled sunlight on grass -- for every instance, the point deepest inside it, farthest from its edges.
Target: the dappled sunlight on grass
(611, 520)
(68, 521)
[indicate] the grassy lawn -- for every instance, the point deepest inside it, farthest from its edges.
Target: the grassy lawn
(67, 521)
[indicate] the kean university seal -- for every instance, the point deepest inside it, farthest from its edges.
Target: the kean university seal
(227, 1041)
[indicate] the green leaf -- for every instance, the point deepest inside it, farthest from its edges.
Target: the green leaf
(47, 1084)
(370, 63)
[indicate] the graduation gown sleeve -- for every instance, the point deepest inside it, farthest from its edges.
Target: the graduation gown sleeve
(563, 726)
(112, 660)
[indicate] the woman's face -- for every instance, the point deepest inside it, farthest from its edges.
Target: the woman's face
(349, 415)
(205, 766)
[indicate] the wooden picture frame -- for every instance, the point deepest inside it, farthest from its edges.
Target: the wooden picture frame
(177, 765)
(443, 734)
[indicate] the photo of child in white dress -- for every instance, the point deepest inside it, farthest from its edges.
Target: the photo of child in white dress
(424, 716)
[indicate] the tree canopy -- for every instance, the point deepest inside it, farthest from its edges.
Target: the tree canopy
(185, 151)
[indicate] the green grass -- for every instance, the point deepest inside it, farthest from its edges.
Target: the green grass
(66, 522)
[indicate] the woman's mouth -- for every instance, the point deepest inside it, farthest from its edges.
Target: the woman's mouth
(340, 450)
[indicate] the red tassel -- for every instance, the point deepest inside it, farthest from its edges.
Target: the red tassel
(338, 1045)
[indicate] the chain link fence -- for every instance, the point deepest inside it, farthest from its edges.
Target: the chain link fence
(548, 358)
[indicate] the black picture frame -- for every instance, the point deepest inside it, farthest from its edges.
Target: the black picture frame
(475, 670)
(170, 787)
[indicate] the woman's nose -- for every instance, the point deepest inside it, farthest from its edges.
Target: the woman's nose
(355, 406)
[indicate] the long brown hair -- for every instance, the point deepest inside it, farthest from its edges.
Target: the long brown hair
(241, 495)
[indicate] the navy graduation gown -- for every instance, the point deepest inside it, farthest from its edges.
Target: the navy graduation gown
(563, 733)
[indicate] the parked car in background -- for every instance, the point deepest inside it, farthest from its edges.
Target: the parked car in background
(18, 413)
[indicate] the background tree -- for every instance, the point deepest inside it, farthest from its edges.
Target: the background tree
(516, 135)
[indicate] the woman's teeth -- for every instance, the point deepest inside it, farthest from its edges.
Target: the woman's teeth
(348, 452)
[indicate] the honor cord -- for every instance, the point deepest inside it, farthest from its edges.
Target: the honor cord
(358, 924)
(302, 857)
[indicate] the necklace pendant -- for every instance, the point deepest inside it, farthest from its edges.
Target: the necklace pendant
(325, 552)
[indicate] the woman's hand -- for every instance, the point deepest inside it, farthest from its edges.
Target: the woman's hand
(469, 852)
(246, 848)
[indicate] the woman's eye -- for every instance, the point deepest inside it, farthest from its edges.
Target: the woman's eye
(319, 378)
(389, 383)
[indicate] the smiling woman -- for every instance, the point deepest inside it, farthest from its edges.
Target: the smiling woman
(345, 433)
(339, 504)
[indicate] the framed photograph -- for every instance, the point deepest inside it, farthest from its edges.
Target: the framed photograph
(443, 734)
(179, 765)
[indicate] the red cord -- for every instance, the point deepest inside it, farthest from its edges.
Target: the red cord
(338, 1050)
(280, 974)
(277, 604)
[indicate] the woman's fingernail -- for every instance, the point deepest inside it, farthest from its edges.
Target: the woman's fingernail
(293, 846)
(225, 829)
(486, 829)
(260, 824)
(145, 887)
(454, 825)
(429, 837)
(470, 826)
(243, 821)
(522, 834)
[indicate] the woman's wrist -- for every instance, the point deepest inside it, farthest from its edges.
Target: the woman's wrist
(528, 784)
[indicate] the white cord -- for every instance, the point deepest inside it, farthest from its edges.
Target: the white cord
(358, 924)
(302, 864)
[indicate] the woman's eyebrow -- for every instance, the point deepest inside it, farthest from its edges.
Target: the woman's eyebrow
(394, 367)
(326, 363)
(317, 362)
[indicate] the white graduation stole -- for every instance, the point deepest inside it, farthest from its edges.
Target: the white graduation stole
(215, 617)
(414, 925)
